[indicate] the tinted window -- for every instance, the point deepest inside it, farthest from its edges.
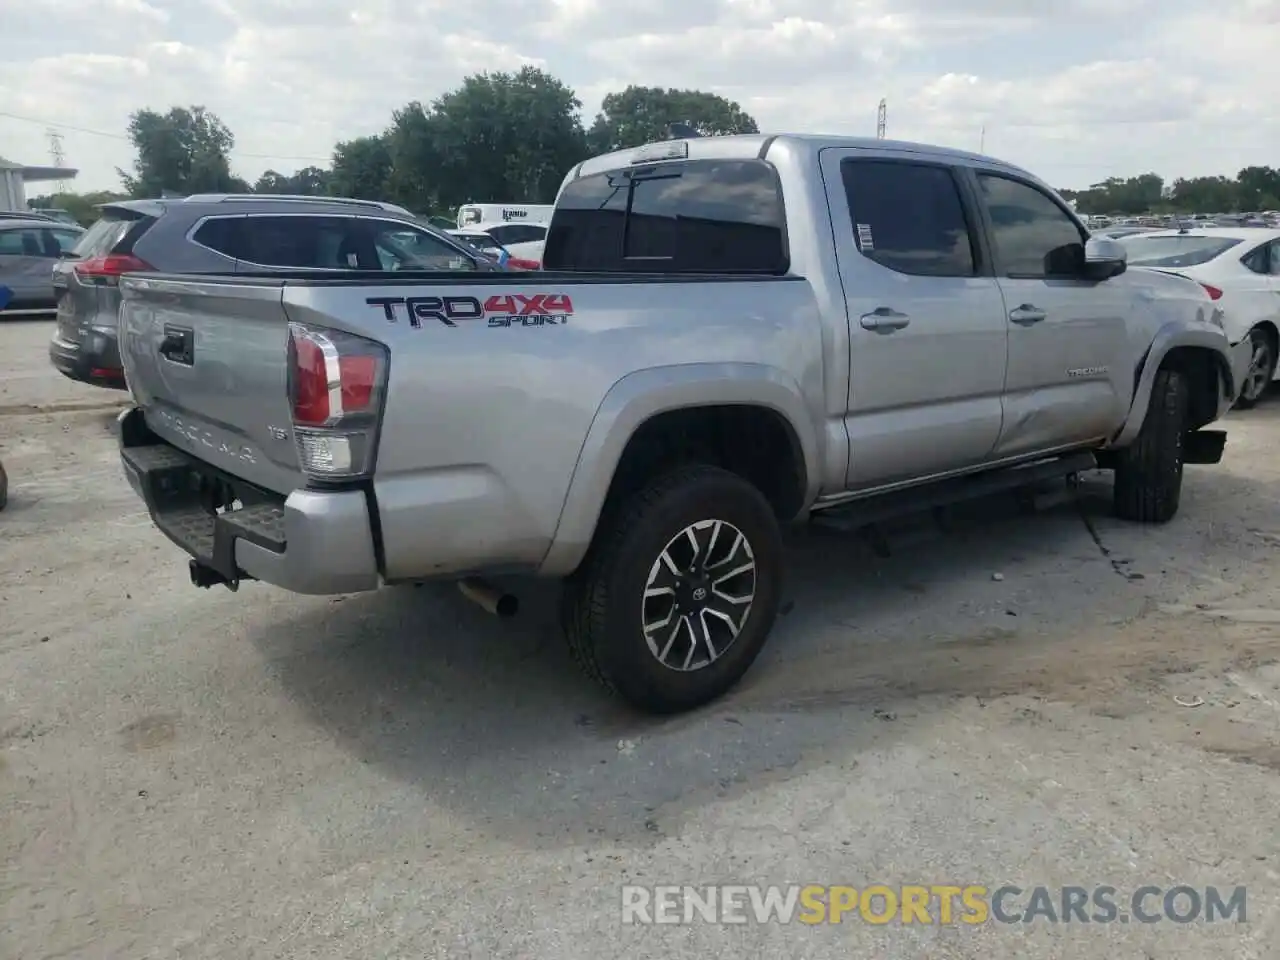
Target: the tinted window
(710, 216)
(342, 243)
(1275, 258)
(220, 234)
(518, 233)
(909, 217)
(1033, 236)
(1184, 250)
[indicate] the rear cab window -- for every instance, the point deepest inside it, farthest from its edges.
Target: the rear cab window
(687, 216)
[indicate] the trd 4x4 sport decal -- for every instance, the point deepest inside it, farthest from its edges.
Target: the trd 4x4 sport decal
(506, 310)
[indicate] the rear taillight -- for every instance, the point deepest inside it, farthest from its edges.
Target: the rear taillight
(109, 268)
(520, 263)
(1213, 292)
(336, 382)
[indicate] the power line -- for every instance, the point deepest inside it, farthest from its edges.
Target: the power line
(119, 136)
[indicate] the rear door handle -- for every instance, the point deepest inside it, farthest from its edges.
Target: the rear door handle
(1027, 314)
(884, 320)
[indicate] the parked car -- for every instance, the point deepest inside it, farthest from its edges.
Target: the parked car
(491, 248)
(524, 241)
(226, 233)
(28, 250)
(730, 334)
(1240, 269)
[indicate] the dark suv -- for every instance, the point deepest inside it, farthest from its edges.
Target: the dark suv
(226, 233)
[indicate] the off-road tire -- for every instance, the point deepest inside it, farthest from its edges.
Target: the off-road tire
(1260, 340)
(602, 606)
(1148, 483)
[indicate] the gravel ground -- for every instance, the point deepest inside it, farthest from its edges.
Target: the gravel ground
(189, 773)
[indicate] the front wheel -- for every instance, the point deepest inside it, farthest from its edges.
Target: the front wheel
(1262, 369)
(1148, 483)
(680, 591)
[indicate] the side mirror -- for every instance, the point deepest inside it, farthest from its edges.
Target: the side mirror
(1104, 258)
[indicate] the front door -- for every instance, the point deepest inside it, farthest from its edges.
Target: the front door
(1068, 379)
(927, 334)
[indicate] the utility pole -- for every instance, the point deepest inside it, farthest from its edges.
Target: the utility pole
(881, 120)
(58, 155)
(982, 139)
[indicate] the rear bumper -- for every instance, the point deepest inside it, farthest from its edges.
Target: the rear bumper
(312, 542)
(95, 359)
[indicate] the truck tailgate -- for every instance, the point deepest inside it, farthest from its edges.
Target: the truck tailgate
(207, 362)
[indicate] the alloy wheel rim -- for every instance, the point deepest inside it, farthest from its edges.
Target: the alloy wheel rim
(699, 595)
(1259, 370)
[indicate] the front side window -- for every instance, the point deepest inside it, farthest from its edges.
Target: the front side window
(909, 217)
(399, 247)
(689, 216)
(1033, 236)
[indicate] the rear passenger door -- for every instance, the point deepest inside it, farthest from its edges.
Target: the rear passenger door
(1069, 379)
(927, 334)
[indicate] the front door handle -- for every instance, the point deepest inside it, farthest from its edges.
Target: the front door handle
(1027, 314)
(884, 320)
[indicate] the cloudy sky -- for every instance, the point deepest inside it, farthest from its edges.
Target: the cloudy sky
(1076, 90)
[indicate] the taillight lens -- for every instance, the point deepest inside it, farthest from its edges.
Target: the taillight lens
(108, 269)
(1213, 292)
(336, 383)
(520, 263)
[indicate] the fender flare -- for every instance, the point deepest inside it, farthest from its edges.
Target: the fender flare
(1169, 337)
(644, 394)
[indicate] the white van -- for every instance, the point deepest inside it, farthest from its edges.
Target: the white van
(471, 214)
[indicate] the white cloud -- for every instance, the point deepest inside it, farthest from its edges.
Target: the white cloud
(1075, 90)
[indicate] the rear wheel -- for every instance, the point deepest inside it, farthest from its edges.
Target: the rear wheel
(680, 591)
(1148, 484)
(1262, 368)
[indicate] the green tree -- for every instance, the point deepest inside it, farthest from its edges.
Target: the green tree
(1205, 195)
(639, 115)
(361, 169)
(414, 181)
(309, 182)
(1257, 188)
(500, 137)
(186, 150)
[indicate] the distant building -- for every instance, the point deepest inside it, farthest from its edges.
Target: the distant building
(14, 177)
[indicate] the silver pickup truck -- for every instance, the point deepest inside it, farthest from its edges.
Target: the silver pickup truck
(729, 335)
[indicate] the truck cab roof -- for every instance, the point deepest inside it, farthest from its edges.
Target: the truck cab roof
(750, 145)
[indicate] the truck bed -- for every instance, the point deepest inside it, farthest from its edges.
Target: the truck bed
(486, 411)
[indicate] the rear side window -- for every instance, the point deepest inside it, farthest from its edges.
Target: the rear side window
(696, 216)
(101, 238)
(909, 217)
(221, 235)
(309, 243)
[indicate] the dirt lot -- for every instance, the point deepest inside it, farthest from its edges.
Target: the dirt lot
(189, 773)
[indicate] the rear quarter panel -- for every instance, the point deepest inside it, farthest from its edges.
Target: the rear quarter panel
(485, 420)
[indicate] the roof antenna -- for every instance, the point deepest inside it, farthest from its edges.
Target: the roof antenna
(681, 131)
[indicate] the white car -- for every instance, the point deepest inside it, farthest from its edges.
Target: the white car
(523, 240)
(1239, 267)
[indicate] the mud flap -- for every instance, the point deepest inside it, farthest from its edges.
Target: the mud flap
(1204, 446)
